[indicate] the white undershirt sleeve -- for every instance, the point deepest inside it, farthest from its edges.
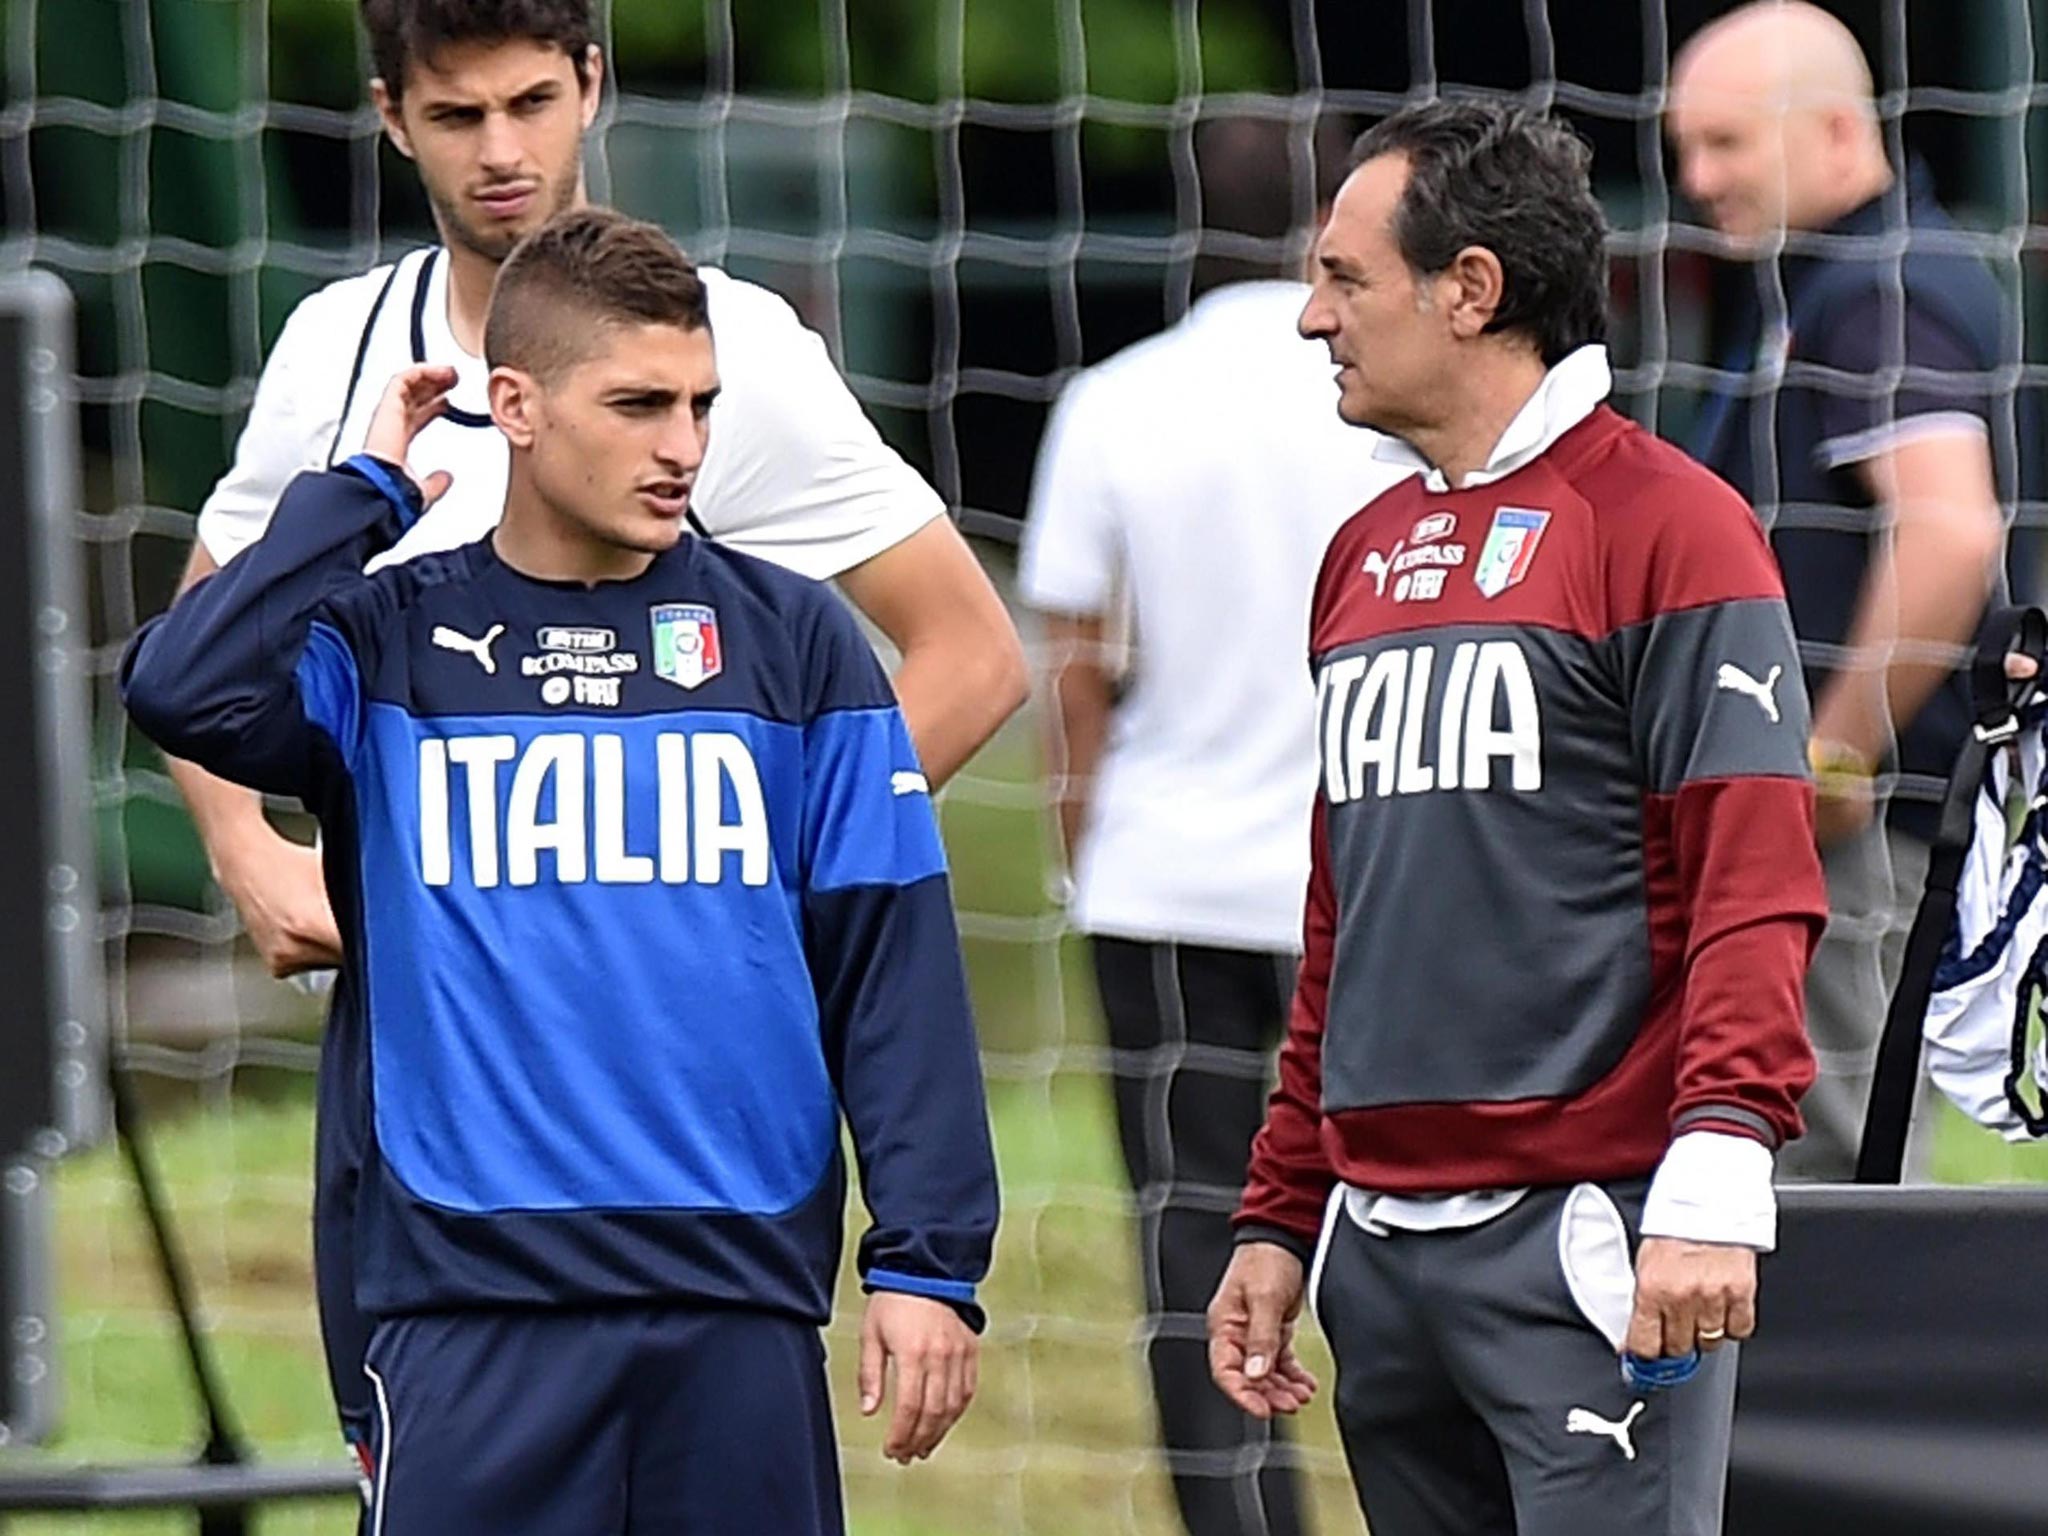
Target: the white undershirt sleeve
(1714, 1187)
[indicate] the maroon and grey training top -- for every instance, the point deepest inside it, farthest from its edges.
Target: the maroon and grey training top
(1564, 887)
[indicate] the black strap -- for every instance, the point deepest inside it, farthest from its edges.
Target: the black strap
(1995, 702)
(355, 372)
(449, 411)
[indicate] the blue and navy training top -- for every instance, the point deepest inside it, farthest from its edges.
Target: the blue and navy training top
(639, 888)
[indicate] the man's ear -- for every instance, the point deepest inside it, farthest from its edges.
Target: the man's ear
(1471, 289)
(394, 120)
(592, 83)
(516, 405)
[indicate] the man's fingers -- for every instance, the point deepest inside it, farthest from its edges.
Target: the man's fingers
(1298, 1378)
(1681, 1322)
(1248, 1328)
(288, 955)
(1645, 1327)
(1710, 1326)
(1262, 1334)
(930, 1422)
(413, 398)
(1226, 1358)
(423, 386)
(935, 1417)
(872, 1359)
(1247, 1395)
(1226, 1369)
(1284, 1397)
(1742, 1314)
(435, 486)
(910, 1375)
(956, 1389)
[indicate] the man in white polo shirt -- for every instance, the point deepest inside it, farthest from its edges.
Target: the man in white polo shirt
(1187, 488)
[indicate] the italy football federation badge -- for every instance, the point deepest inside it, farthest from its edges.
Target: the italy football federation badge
(686, 648)
(1509, 550)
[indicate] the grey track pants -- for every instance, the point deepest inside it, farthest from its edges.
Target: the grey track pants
(1474, 1399)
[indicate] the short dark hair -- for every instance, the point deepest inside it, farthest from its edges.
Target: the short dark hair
(580, 274)
(403, 30)
(1259, 190)
(1491, 174)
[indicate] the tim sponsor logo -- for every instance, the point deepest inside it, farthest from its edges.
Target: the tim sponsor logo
(576, 637)
(1409, 720)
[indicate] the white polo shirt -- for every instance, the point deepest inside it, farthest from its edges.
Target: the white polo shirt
(794, 472)
(1201, 474)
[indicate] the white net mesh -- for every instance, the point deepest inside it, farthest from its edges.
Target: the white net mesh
(971, 201)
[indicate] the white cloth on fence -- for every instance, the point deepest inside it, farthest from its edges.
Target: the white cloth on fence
(2001, 922)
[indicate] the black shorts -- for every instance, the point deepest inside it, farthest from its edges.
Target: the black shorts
(615, 1423)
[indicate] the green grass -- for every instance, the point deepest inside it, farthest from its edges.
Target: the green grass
(1965, 1154)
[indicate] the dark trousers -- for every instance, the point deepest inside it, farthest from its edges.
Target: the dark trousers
(1191, 1033)
(1475, 1398)
(637, 1421)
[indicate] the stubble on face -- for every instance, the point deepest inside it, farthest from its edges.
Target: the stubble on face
(495, 244)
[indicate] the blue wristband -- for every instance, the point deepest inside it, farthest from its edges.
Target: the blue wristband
(958, 1292)
(1656, 1375)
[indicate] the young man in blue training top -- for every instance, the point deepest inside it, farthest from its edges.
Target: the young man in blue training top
(640, 888)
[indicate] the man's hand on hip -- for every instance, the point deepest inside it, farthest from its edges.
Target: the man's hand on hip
(277, 886)
(1251, 1332)
(1691, 1295)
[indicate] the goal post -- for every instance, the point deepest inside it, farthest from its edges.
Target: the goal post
(54, 1022)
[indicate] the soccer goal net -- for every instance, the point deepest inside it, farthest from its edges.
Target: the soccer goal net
(971, 200)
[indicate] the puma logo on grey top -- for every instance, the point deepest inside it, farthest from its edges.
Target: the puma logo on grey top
(1735, 680)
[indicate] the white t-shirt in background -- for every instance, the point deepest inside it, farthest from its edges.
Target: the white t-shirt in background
(1199, 475)
(794, 472)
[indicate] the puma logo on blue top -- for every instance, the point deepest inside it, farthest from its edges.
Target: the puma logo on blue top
(452, 640)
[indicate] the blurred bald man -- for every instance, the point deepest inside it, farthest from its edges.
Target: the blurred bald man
(1860, 422)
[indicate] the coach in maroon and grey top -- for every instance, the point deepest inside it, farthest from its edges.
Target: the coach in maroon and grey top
(1548, 1030)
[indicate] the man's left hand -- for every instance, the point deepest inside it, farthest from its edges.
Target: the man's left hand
(1691, 1296)
(936, 1361)
(414, 397)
